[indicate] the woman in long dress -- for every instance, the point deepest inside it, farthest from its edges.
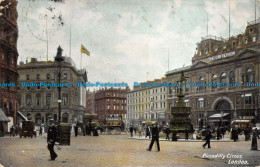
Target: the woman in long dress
(254, 140)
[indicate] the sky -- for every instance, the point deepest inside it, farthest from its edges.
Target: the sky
(128, 40)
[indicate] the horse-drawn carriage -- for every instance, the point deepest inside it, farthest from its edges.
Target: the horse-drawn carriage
(27, 129)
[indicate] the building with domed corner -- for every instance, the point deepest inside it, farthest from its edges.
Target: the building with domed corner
(8, 62)
(222, 83)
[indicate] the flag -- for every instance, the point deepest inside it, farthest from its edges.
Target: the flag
(84, 50)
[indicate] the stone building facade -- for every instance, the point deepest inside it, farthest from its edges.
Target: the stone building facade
(40, 103)
(236, 62)
(110, 101)
(8, 61)
(147, 104)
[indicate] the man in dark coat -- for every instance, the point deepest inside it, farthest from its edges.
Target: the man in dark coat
(167, 131)
(155, 137)
(254, 140)
(207, 137)
(147, 132)
(40, 131)
(131, 131)
(51, 139)
(218, 133)
(186, 134)
(76, 129)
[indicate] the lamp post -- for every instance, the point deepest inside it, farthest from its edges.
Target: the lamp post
(222, 114)
(205, 116)
(151, 103)
(59, 59)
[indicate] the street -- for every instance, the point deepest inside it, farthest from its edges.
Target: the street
(119, 150)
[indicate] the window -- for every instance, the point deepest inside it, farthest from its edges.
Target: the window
(231, 77)
(65, 76)
(38, 76)
(47, 76)
(108, 107)
(201, 80)
(223, 77)
(234, 43)
(186, 102)
(48, 99)
(38, 99)
(214, 80)
(28, 100)
(248, 98)
(65, 99)
(27, 77)
(249, 75)
(187, 85)
(201, 103)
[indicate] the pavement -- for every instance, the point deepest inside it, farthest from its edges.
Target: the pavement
(183, 140)
(119, 150)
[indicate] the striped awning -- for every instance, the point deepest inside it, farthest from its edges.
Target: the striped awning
(3, 117)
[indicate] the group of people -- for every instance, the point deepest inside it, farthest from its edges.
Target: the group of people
(88, 129)
(14, 130)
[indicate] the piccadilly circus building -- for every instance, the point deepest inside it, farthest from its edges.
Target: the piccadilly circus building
(223, 82)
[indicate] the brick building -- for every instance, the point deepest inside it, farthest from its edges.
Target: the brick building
(8, 61)
(110, 101)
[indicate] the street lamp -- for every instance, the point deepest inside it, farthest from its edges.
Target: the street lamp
(222, 114)
(151, 103)
(205, 116)
(59, 59)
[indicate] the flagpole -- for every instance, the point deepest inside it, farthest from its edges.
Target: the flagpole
(80, 60)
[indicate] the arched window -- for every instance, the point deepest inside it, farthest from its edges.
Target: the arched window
(214, 80)
(223, 77)
(249, 75)
(201, 80)
(231, 77)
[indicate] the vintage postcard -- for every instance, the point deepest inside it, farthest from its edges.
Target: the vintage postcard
(96, 83)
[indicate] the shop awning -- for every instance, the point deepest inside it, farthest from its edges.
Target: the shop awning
(3, 117)
(218, 115)
(24, 117)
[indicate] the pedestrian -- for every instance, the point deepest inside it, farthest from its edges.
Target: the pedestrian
(235, 134)
(40, 131)
(16, 130)
(155, 137)
(167, 131)
(174, 136)
(247, 133)
(139, 130)
(12, 131)
(218, 133)
(186, 134)
(131, 131)
(147, 132)
(51, 139)
(95, 132)
(76, 129)
(254, 140)
(135, 129)
(207, 137)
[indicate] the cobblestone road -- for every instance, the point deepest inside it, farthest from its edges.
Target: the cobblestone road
(118, 150)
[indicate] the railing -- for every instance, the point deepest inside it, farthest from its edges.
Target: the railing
(212, 37)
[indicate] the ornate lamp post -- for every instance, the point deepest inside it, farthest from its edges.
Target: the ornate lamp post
(222, 114)
(59, 59)
(205, 116)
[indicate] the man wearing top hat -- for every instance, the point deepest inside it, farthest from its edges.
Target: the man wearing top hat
(51, 139)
